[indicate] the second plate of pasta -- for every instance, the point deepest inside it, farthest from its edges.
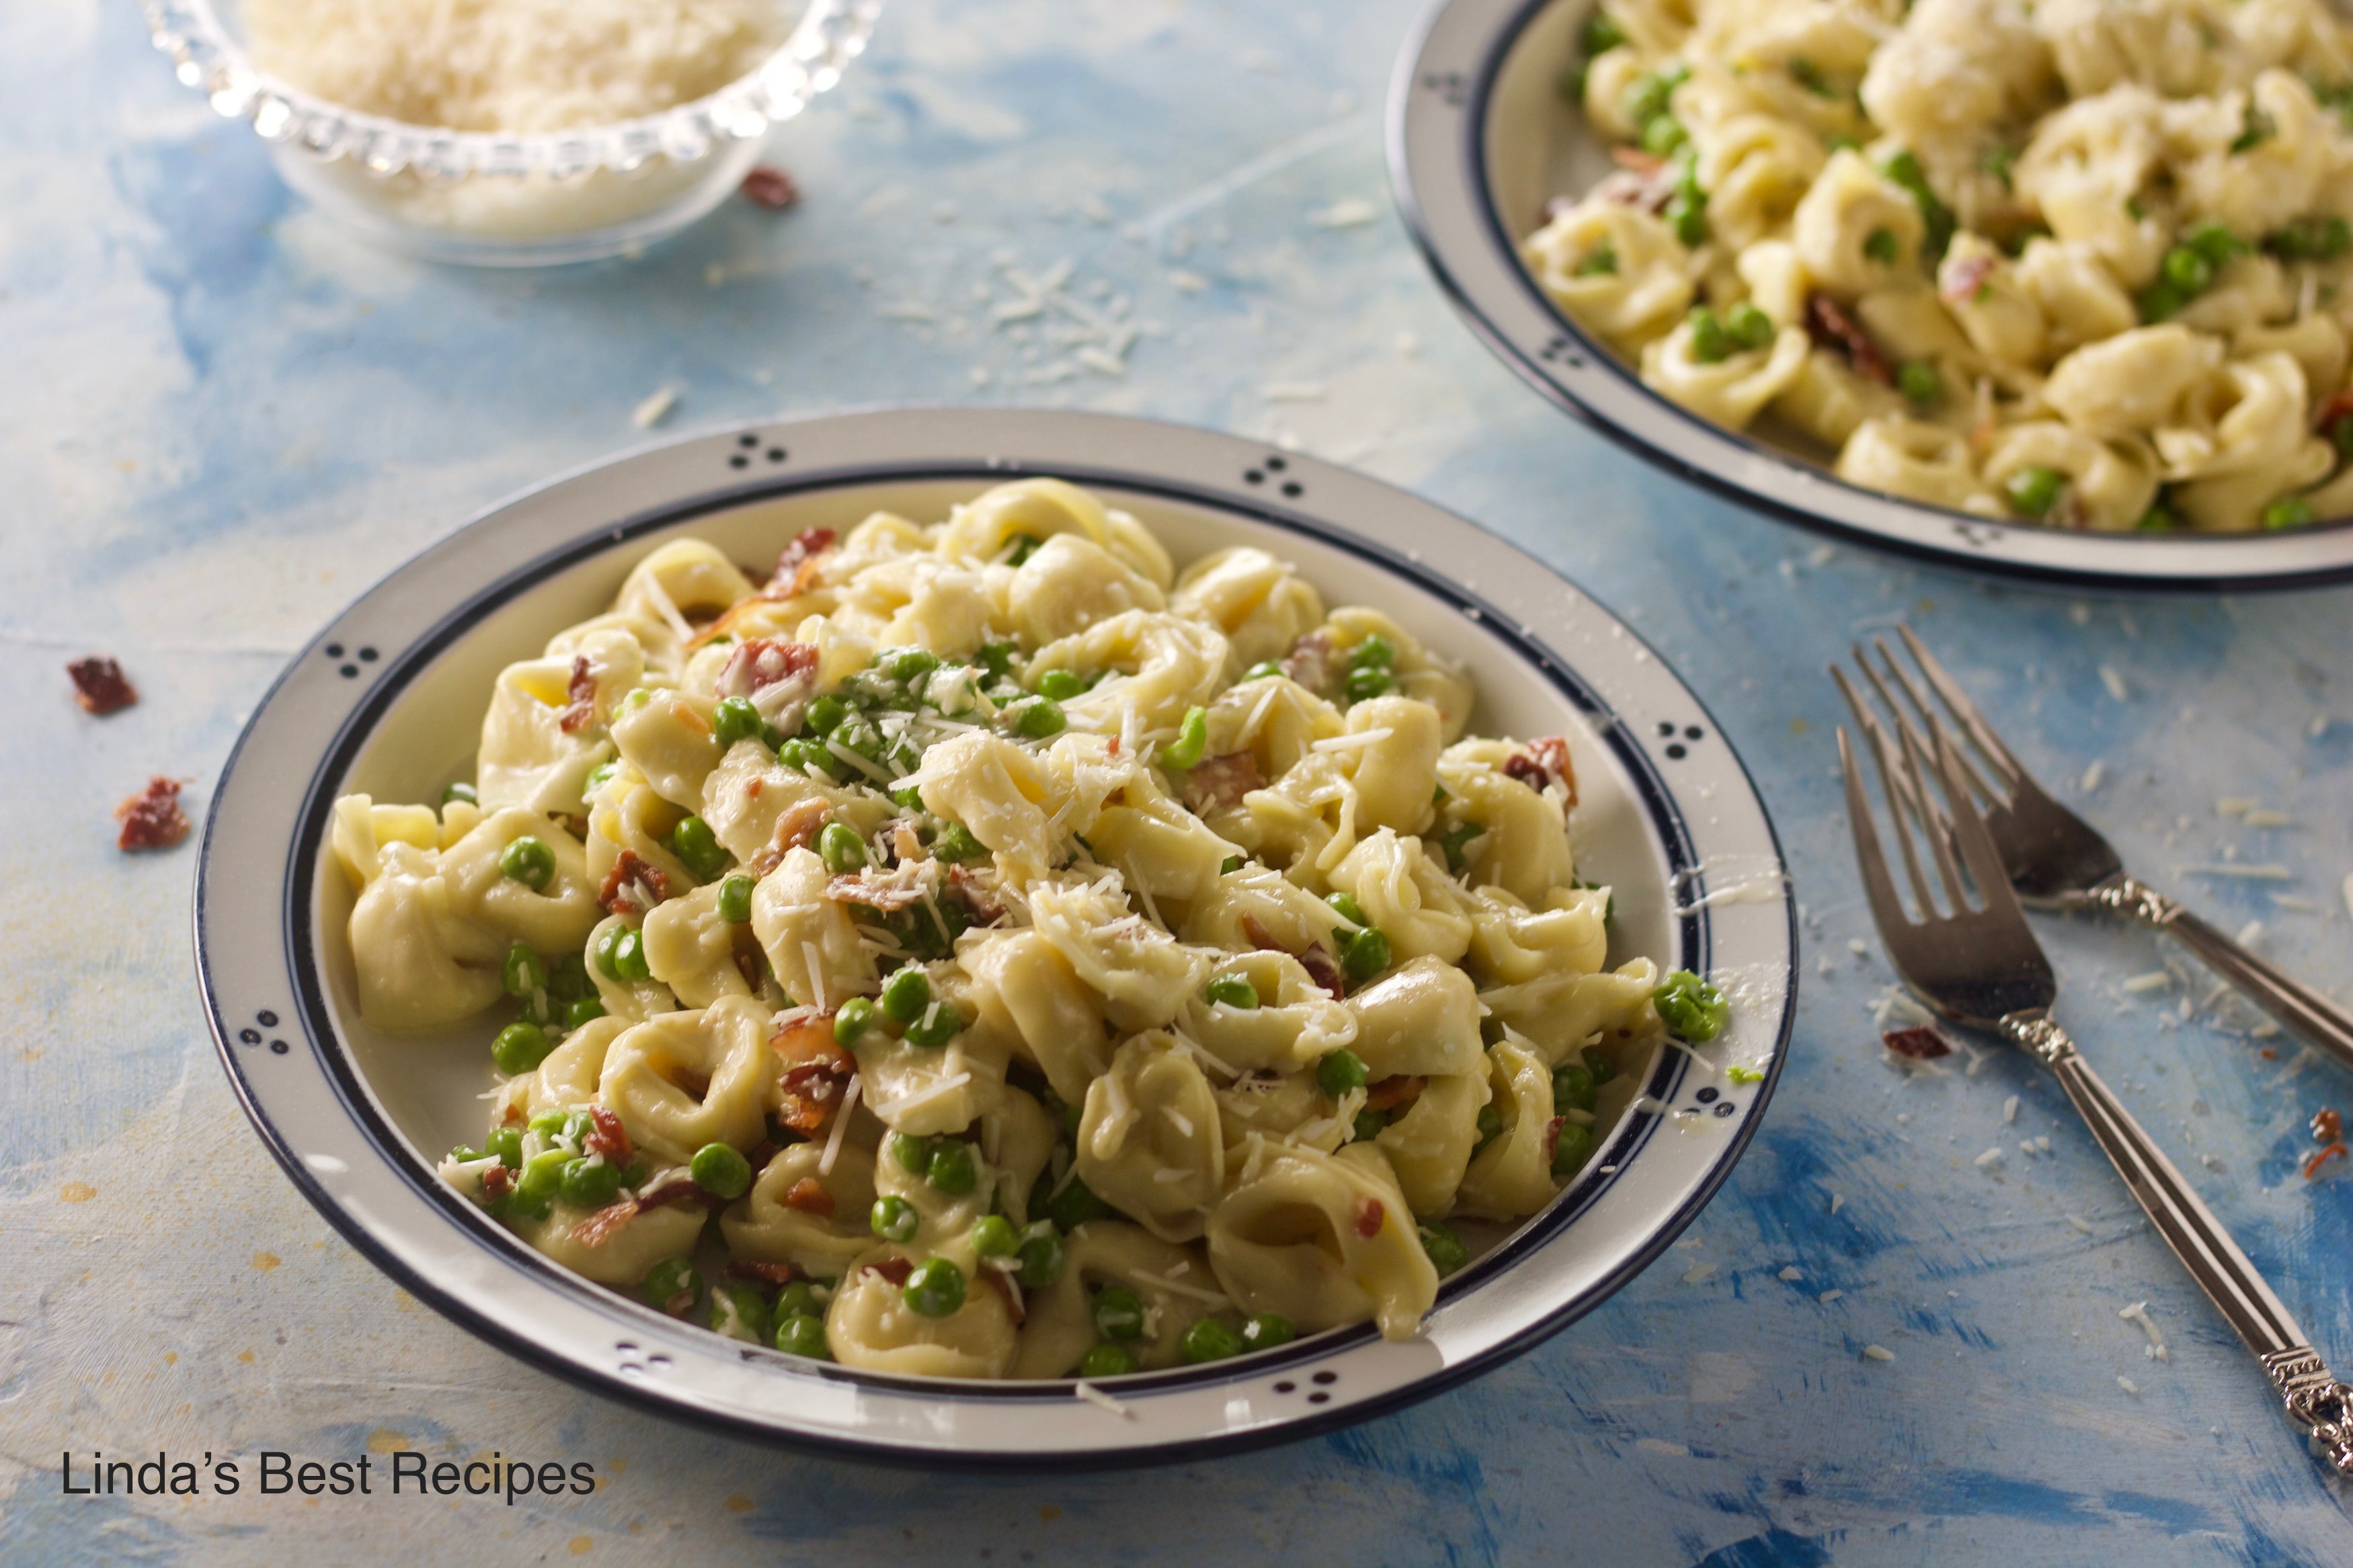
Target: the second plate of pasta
(831, 927)
(2053, 290)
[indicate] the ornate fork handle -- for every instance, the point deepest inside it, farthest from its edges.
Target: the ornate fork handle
(2316, 1402)
(2285, 997)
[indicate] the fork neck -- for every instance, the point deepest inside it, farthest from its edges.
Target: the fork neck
(2128, 894)
(2033, 1030)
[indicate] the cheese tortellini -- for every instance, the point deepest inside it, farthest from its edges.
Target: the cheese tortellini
(2034, 260)
(993, 949)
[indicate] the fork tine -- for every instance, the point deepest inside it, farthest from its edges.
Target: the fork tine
(1965, 713)
(1919, 705)
(1886, 907)
(1915, 755)
(1976, 843)
(1903, 803)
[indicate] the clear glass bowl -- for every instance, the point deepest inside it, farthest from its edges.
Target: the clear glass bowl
(488, 199)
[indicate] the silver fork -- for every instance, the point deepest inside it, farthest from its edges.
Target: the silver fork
(2056, 860)
(1981, 967)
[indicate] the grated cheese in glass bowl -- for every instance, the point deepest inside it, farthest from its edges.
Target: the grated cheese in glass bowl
(512, 132)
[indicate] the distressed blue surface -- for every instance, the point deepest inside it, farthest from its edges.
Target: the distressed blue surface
(220, 420)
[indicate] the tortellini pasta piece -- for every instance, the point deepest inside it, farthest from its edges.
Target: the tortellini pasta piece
(1261, 604)
(1430, 1145)
(1032, 996)
(1419, 673)
(1150, 1142)
(1158, 665)
(1559, 1015)
(668, 739)
(1060, 1325)
(1142, 973)
(1855, 231)
(1513, 1175)
(1729, 390)
(620, 1254)
(1512, 945)
(691, 948)
(869, 1326)
(545, 729)
(1409, 897)
(799, 1212)
(684, 1080)
(1922, 461)
(1619, 271)
(1421, 1021)
(1068, 583)
(993, 524)
(1323, 1240)
(1295, 1023)
(812, 944)
(2109, 486)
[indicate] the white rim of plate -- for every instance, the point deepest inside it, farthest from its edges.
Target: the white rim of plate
(1441, 126)
(278, 1038)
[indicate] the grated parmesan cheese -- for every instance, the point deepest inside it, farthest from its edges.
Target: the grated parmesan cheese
(512, 65)
(1878, 1352)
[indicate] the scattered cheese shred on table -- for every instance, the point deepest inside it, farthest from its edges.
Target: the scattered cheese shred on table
(512, 65)
(1877, 1352)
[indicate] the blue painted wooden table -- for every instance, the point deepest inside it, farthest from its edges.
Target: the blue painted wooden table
(220, 420)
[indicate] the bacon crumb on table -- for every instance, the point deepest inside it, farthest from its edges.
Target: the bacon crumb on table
(100, 686)
(1917, 1043)
(151, 819)
(770, 187)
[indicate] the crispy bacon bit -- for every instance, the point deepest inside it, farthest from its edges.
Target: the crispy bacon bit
(1637, 160)
(1112, 750)
(1260, 938)
(151, 819)
(1323, 969)
(797, 567)
(1919, 1044)
(760, 662)
(816, 1071)
(894, 1269)
(609, 1137)
(677, 1187)
(497, 1183)
(2268, 1054)
(1310, 663)
(767, 1273)
(1833, 327)
(808, 1196)
(796, 829)
(2312, 1166)
(1393, 1092)
(582, 693)
(1220, 782)
(1366, 1218)
(100, 686)
(770, 187)
(1540, 761)
(1958, 280)
(901, 887)
(1552, 1138)
(2327, 1126)
(633, 885)
(600, 1227)
(982, 905)
(1005, 1286)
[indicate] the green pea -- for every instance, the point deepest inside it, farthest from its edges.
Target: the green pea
(1107, 1361)
(857, 1016)
(519, 1047)
(464, 1154)
(1074, 1205)
(530, 861)
(2214, 242)
(952, 1169)
(524, 972)
(549, 1124)
(2034, 491)
(1041, 1254)
(2289, 512)
(1375, 652)
(1368, 1125)
(583, 1010)
(1692, 1008)
(506, 1143)
(996, 660)
(840, 848)
(1192, 739)
(1687, 215)
(459, 790)
(913, 1154)
(2159, 300)
(1750, 327)
(995, 1236)
(906, 995)
(720, 1170)
(1062, 685)
(1662, 134)
(1456, 843)
(736, 720)
(1209, 1340)
(1447, 1253)
(1364, 954)
(1600, 1064)
(1918, 381)
(629, 955)
(737, 1311)
(1602, 261)
(906, 665)
(798, 1299)
(735, 899)
(696, 844)
(1025, 546)
(1338, 1073)
(935, 1289)
(955, 844)
(893, 1219)
(1232, 991)
(1572, 1088)
(2341, 433)
(671, 1286)
(568, 977)
(938, 1025)
(1036, 717)
(1364, 684)
(1068, 1115)
(1346, 906)
(1491, 1127)
(1262, 669)
(1649, 95)
(1602, 34)
(591, 1183)
(1881, 246)
(859, 736)
(1119, 1313)
(2187, 270)
(541, 1179)
(802, 1334)
(1574, 1147)
(1268, 1330)
(598, 777)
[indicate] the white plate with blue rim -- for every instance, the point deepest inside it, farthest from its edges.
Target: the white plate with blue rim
(389, 697)
(1481, 138)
